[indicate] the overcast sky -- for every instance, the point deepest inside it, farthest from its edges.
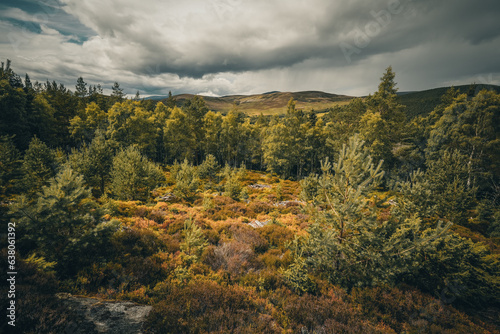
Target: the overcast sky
(223, 47)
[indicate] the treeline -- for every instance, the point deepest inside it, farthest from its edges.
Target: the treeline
(457, 145)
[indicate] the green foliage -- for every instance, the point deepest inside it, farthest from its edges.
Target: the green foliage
(179, 140)
(83, 127)
(187, 181)
(131, 124)
(349, 244)
(133, 176)
(470, 126)
(9, 168)
(458, 269)
(209, 168)
(94, 163)
(232, 187)
(194, 241)
(60, 215)
(296, 277)
(453, 195)
(40, 163)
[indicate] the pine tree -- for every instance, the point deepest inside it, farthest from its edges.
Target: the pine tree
(133, 176)
(232, 187)
(348, 243)
(39, 165)
(212, 127)
(275, 148)
(209, 168)
(61, 213)
(194, 240)
(94, 162)
(10, 163)
(171, 101)
(117, 94)
(390, 126)
(187, 181)
(81, 88)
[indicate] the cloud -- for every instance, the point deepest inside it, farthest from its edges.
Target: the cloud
(241, 46)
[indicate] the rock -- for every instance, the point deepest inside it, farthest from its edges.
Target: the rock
(259, 186)
(168, 197)
(105, 316)
(258, 224)
(289, 203)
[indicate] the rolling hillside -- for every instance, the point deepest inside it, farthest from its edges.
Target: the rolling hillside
(423, 102)
(272, 102)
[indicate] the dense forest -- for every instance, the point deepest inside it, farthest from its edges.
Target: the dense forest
(363, 219)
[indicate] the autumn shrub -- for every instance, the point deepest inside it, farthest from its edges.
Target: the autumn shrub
(276, 235)
(260, 207)
(248, 235)
(212, 237)
(274, 258)
(207, 307)
(145, 271)
(327, 313)
(233, 256)
(136, 242)
(141, 211)
(240, 209)
(99, 276)
(408, 310)
(175, 226)
(157, 215)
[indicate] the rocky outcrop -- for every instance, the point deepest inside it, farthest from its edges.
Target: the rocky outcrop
(104, 316)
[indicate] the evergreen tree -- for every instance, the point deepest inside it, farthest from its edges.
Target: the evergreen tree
(186, 179)
(232, 187)
(171, 101)
(133, 176)
(81, 88)
(94, 163)
(209, 168)
(131, 124)
(386, 113)
(348, 243)
(61, 213)
(117, 94)
(194, 240)
(10, 163)
(40, 164)
(13, 113)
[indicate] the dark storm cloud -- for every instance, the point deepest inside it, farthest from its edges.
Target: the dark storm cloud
(234, 46)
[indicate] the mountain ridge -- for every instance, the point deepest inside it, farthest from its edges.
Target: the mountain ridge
(275, 102)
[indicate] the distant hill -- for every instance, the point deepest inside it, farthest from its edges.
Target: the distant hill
(423, 102)
(274, 103)
(271, 103)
